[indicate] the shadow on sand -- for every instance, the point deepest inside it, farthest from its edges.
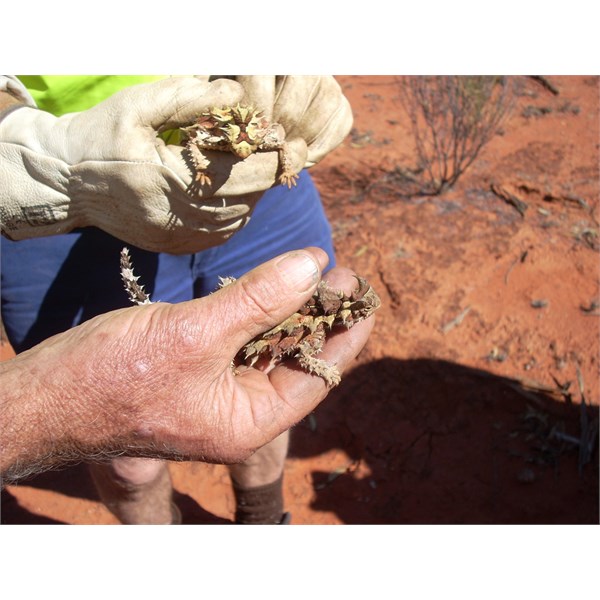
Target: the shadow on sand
(437, 442)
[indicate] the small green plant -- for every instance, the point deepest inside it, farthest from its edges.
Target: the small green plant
(452, 118)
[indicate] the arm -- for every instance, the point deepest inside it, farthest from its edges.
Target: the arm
(7, 100)
(13, 92)
(156, 380)
(33, 421)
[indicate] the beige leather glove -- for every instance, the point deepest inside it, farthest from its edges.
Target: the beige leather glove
(314, 112)
(107, 167)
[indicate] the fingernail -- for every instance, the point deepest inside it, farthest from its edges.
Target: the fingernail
(299, 270)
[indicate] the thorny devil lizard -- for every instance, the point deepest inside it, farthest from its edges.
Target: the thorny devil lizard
(241, 130)
(300, 336)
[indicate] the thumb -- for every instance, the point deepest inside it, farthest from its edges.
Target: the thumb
(267, 295)
(177, 101)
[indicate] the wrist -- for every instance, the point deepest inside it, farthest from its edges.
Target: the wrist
(9, 102)
(37, 130)
(31, 426)
(35, 179)
(44, 423)
(12, 86)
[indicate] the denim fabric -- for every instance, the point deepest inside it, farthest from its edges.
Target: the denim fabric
(54, 283)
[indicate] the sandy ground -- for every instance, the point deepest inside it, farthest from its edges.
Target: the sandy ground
(477, 394)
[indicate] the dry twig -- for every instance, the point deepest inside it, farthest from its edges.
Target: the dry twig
(452, 118)
(543, 81)
(509, 198)
(456, 321)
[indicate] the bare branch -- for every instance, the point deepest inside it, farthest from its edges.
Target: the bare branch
(452, 118)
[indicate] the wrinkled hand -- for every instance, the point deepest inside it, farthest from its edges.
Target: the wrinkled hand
(157, 381)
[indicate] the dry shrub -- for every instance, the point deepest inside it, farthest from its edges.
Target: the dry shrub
(452, 118)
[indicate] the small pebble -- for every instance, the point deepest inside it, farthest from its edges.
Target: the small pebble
(539, 303)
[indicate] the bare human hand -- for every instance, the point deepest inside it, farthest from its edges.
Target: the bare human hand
(157, 381)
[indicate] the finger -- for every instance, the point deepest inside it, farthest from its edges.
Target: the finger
(178, 101)
(331, 134)
(266, 296)
(259, 91)
(297, 392)
(301, 391)
(341, 278)
(315, 109)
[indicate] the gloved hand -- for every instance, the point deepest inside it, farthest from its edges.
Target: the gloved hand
(106, 167)
(313, 111)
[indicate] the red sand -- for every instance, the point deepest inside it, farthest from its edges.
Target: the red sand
(439, 424)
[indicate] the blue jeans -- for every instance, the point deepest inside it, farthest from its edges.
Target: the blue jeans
(54, 283)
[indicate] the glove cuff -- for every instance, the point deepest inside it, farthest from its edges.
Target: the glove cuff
(34, 199)
(38, 131)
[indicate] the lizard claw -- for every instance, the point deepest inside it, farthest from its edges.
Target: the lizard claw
(288, 178)
(202, 178)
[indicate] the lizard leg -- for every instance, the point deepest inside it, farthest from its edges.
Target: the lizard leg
(200, 163)
(288, 175)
